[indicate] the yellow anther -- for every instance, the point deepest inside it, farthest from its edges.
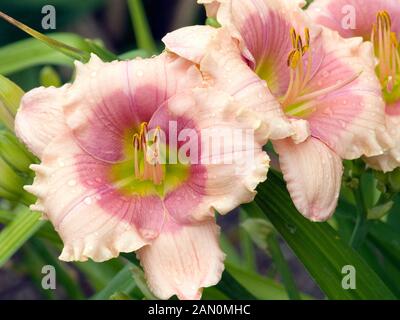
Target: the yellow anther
(307, 36)
(294, 58)
(293, 36)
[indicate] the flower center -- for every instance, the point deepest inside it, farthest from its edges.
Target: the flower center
(387, 50)
(297, 102)
(145, 169)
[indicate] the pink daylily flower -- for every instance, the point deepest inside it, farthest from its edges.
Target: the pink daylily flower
(95, 182)
(377, 21)
(323, 84)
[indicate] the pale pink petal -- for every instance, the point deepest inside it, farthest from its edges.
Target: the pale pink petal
(350, 119)
(390, 160)
(353, 18)
(224, 177)
(183, 260)
(94, 219)
(313, 175)
(222, 66)
(108, 100)
(40, 117)
(221, 61)
(261, 26)
(190, 42)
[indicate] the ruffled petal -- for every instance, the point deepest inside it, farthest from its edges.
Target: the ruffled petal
(313, 175)
(183, 260)
(262, 27)
(353, 18)
(108, 100)
(390, 160)
(40, 117)
(190, 42)
(230, 162)
(221, 61)
(93, 218)
(350, 119)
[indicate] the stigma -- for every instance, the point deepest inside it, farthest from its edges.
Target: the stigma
(386, 47)
(146, 156)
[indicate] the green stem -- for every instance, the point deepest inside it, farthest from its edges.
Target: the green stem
(361, 228)
(246, 245)
(141, 26)
(282, 267)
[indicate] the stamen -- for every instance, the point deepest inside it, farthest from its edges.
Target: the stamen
(146, 160)
(296, 102)
(387, 50)
(299, 74)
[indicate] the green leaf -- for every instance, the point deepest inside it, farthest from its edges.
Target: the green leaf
(260, 287)
(137, 53)
(246, 245)
(387, 239)
(282, 266)
(122, 282)
(138, 276)
(97, 274)
(230, 287)
(264, 235)
(97, 47)
(31, 52)
(380, 211)
(141, 27)
(12, 237)
(65, 49)
(318, 246)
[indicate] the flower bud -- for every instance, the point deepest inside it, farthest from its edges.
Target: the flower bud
(10, 97)
(10, 181)
(13, 152)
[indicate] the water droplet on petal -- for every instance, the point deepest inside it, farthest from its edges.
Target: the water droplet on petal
(88, 200)
(72, 183)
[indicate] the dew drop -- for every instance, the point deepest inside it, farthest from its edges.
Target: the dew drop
(88, 200)
(292, 228)
(61, 163)
(72, 183)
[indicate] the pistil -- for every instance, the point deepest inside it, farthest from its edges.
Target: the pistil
(146, 156)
